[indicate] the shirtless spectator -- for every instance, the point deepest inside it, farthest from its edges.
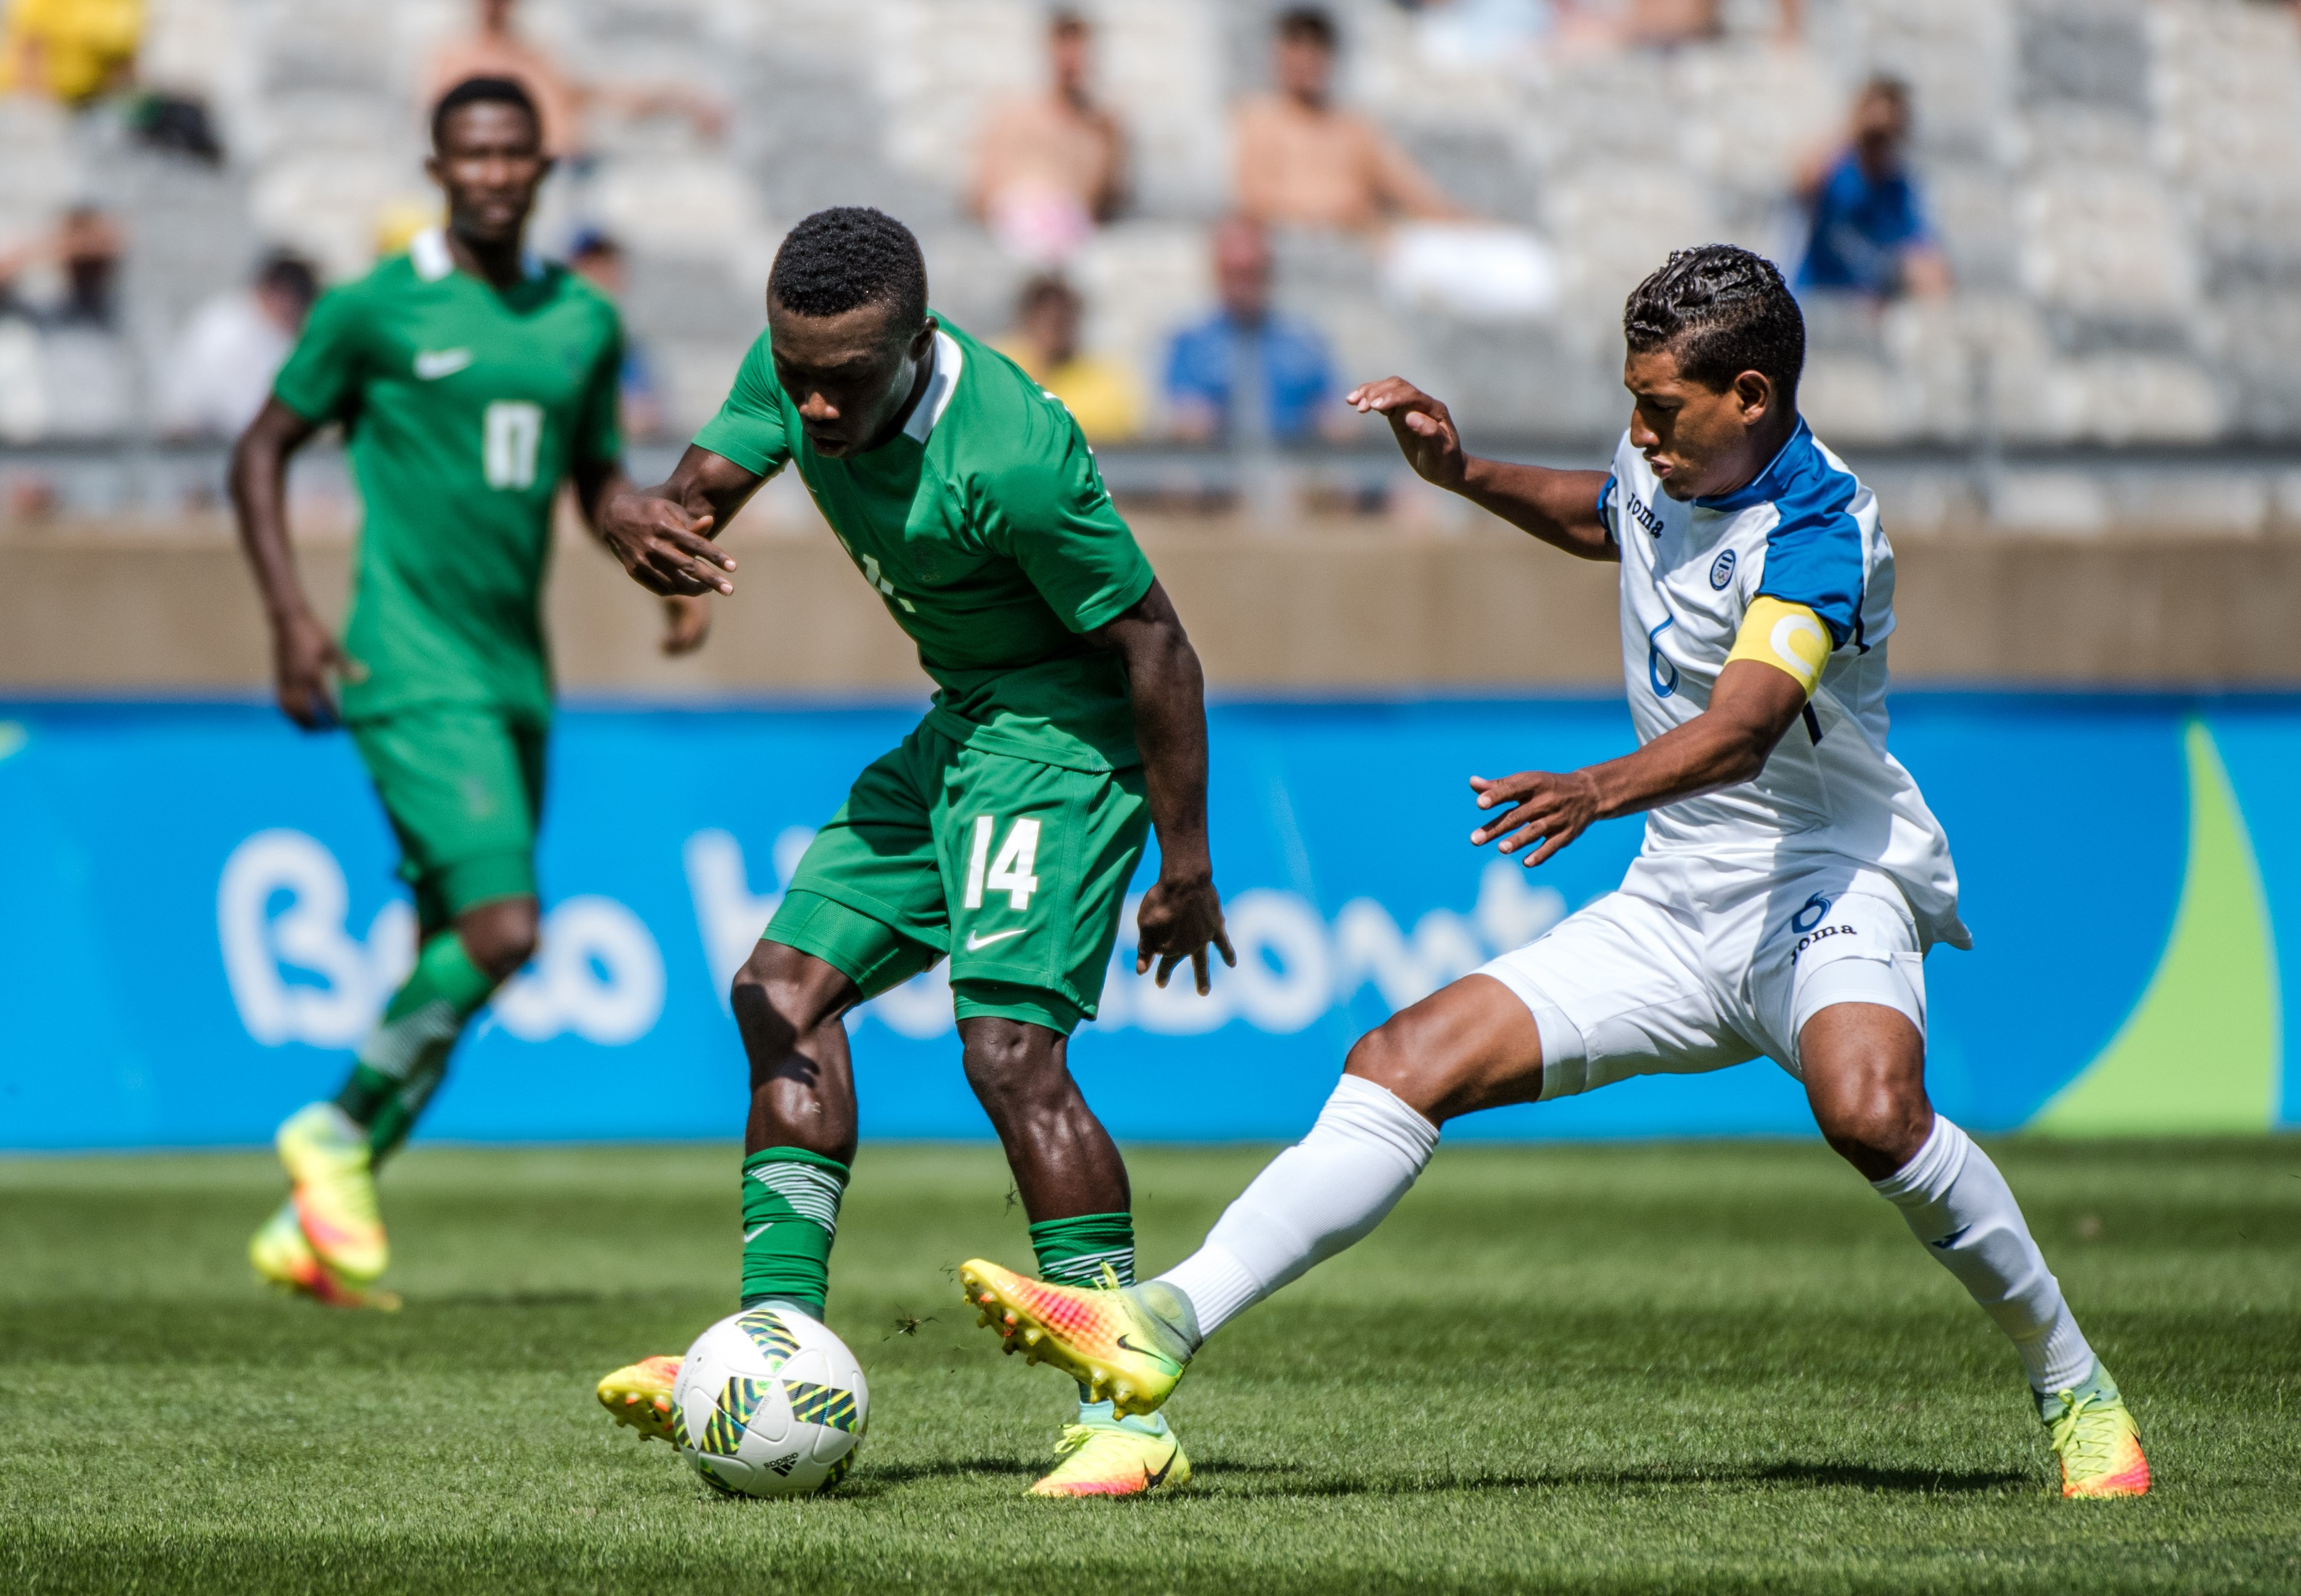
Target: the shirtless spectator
(496, 48)
(1302, 162)
(1051, 166)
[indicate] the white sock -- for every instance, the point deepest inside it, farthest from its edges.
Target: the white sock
(1960, 1206)
(1315, 1198)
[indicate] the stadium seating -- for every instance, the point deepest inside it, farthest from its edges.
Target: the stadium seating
(2114, 181)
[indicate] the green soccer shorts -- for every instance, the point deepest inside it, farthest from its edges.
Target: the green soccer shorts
(1014, 870)
(464, 788)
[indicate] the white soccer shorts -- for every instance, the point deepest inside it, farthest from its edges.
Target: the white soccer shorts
(1656, 980)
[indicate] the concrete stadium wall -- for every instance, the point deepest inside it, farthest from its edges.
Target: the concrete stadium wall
(1321, 606)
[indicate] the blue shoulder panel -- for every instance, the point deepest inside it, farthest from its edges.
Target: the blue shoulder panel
(1813, 555)
(1605, 502)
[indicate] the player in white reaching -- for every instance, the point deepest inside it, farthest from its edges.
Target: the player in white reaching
(1790, 884)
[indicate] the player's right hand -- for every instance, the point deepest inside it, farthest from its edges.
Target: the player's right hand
(1424, 428)
(303, 655)
(663, 546)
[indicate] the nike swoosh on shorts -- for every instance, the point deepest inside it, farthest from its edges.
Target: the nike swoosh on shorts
(977, 942)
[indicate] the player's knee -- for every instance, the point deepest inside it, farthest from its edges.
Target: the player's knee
(1008, 1061)
(785, 991)
(1408, 1067)
(1876, 1125)
(500, 937)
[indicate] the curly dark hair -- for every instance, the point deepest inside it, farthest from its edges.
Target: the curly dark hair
(482, 91)
(1722, 310)
(849, 255)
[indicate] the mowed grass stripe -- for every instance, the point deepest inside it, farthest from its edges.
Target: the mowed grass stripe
(1674, 1367)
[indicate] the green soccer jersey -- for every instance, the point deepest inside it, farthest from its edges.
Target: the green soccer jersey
(987, 531)
(464, 405)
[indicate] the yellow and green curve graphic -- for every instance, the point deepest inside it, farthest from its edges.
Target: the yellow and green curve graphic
(2200, 1052)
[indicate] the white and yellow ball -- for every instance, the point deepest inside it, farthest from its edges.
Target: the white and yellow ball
(771, 1403)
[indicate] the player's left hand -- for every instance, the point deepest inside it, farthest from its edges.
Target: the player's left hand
(686, 623)
(1176, 921)
(1552, 809)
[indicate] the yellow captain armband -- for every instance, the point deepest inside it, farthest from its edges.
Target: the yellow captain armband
(1789, 637)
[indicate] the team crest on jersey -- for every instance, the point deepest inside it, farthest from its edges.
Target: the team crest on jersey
(1721, 569)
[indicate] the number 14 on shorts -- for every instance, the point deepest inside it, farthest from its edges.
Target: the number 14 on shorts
(1010, 869)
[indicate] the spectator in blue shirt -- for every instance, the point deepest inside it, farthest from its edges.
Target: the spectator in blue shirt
(1247, 374)
(1869, 231)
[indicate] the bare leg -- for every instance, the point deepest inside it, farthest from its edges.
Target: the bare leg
(1064, 1161)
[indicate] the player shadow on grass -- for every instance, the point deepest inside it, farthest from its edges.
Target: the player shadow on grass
(1280, 1479)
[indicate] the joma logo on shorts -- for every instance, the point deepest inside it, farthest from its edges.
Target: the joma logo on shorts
(1812, 937)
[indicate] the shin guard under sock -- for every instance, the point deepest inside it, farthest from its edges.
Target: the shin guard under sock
(400, 1065)
(1960, 1206)
(790, 1215)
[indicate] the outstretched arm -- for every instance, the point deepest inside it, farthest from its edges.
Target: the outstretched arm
(1753, 704)
(1560, 507)
(663, 534)
(1182, 913)
(303, 652)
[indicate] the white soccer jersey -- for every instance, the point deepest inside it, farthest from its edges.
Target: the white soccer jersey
(1804, 532)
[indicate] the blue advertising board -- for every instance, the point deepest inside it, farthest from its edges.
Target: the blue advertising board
(198, 921)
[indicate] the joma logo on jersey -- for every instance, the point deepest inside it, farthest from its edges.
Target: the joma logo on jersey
(1643, 516)
(1812, 937)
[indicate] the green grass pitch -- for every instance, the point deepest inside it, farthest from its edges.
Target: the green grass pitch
(1656, 1368)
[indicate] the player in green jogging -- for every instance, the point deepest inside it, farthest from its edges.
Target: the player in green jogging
(1067, 722)
(471, 380)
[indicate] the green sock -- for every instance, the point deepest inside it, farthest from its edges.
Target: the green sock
(1073, 1251)
(401, 1063)
(790, 1213)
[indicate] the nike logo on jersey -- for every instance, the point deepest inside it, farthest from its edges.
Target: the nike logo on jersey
(977, 942)
(431, 364)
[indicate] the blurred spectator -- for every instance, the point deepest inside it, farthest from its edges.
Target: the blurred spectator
(1868, 232)
(223, 368)
(71, 50)
(84, 250)
(1302, 162)
(1685, 22)
(1100, 394)
(1247, 375)
(496, 49)
(598, 260)
(1049, 167)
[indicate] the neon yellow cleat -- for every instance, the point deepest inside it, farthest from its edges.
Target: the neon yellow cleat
(1104, 1339)
(640, 1395)
(1107, 1459)
(326, 1155)
(2096, 1440)
(283, 1258)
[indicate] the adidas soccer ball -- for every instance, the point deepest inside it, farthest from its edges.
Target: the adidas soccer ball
(770, 1404)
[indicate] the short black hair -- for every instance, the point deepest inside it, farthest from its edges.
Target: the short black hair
(1046, 287)
(1724, 311)
(851, 255)
(284, 271)
(1309, 22)
(485, 91)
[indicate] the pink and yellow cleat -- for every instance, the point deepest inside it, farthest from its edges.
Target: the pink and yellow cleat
(284, 1258)
(641, 1395)
(326, 1155)
(1103, 1338)
(2096, 1440)
(1113, 1459)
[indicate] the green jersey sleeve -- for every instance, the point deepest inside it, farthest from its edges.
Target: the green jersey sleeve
(320, 380)
(600, 423)
(1050, 513)
(749, 429)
